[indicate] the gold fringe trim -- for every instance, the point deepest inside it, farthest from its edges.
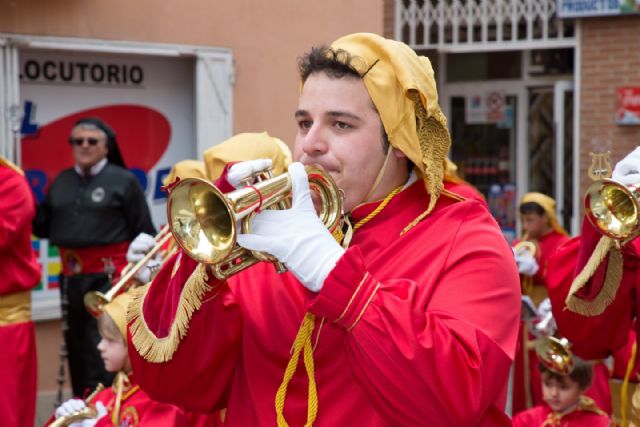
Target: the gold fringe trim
(611, 283)
(434, 140)
(152, 348)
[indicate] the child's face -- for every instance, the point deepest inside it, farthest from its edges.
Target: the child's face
(114, 354)
(535, 225)
(560, 394)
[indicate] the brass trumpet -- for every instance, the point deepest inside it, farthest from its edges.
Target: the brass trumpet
(95, 300)
(85, 413)
(614, 209)
(204, 220)
(554, 353)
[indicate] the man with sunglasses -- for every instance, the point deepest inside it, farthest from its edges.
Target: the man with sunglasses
(92, 212)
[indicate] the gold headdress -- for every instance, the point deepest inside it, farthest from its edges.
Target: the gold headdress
(402, 86)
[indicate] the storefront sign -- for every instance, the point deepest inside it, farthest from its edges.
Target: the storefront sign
(628, 110)
(587, 8)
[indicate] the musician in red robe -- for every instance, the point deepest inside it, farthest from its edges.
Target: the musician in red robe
(594, 285)
(565, 404)
(19, 273)
(124, 404)
(411, 318)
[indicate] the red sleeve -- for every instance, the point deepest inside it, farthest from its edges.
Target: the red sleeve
(444, 342)
(16, 204)
(592, 336)
(200, 388)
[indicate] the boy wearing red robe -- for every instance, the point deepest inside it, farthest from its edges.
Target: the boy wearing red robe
(565, 404)
(421, 287)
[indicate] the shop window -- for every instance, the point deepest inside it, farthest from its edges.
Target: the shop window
(484, 66)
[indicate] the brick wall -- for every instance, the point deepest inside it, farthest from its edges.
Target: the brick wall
(389, 19)
(610, 49)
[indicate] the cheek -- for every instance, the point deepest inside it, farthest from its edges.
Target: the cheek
(297, 149)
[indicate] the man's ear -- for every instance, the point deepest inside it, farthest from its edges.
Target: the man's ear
(398, 154)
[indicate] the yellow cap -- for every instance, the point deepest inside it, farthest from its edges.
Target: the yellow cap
(402, 86)
(117, 310)
(549, 205)
(186, 169)
(247, 146)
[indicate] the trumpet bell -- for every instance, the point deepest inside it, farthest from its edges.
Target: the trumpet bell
(612, 208)
(94, 301)
(554, 353)
(201, 221)
(205, 221)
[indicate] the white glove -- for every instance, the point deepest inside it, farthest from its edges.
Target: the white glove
(241, 171)
(68, 407)
(101, 412)
(149, 270)
(140, 246)
(627, 170)
(296, 236)
(546, 324)
(527, 264)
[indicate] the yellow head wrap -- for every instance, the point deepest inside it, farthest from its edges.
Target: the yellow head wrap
(117, 310)
(402, 87)
(247, 146)
(186, 169)
(549, 206)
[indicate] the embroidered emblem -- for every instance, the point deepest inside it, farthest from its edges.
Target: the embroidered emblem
(97, 195)
(129, 417)
(72, 261)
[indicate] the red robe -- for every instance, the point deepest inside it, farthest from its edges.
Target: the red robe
(19, 273)
(546, 246)
(409, 329)
(542, 416)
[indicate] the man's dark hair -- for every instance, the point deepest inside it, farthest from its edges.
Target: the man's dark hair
(532, 207)
(582, 373)
(335, 63)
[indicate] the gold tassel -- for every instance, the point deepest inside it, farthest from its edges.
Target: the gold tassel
(611, 283)
(434, 140)
(148, 345)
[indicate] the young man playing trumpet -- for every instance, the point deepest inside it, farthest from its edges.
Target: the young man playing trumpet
(410, 319)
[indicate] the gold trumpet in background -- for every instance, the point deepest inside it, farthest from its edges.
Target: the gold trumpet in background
(95, 300)
(554, 353)
(85, 413)
(204, 221)
(614, 209)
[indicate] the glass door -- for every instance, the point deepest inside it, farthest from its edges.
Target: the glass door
(484, 134)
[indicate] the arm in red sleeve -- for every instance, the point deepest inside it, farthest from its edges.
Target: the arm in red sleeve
(592, 336)
(437, 344)
(16, 204)
(186, 378)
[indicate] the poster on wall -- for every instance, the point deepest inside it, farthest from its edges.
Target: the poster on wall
(485, 108)
(148, 101)
(628, 106)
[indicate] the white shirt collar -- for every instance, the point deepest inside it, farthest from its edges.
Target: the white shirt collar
(95, 169)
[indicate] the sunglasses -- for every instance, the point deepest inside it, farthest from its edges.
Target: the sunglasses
(80, 141)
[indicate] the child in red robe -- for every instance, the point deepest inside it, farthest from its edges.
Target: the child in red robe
(123, 404)
(565, 404)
